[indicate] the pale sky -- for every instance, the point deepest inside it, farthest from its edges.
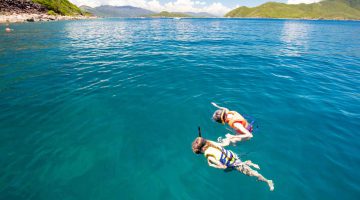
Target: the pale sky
(217, 7)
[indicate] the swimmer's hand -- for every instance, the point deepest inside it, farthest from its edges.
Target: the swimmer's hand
(217, 166)
(221, 167)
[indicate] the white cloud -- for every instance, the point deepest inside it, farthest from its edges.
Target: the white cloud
(302, 1)
(216, 8)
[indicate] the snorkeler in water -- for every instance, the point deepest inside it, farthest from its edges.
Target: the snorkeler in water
(221, 158)
(8, 29)
(236, 121)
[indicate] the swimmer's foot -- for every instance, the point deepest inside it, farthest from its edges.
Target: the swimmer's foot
(271, 185)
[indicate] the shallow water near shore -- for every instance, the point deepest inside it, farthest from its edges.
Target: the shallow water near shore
(107, 109)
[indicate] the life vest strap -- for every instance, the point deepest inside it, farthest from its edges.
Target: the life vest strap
(225, 159)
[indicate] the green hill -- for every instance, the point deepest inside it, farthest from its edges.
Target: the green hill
(62, 7)
(169, 14)
(327, 9)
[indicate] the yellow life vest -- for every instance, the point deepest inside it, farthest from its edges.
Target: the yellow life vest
(226, 157)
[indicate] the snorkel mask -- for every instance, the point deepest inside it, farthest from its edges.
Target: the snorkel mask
(219, 115)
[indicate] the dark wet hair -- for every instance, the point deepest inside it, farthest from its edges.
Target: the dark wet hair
(198, 144)
(218, 116)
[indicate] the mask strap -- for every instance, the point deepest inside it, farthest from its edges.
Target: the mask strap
(222, 116)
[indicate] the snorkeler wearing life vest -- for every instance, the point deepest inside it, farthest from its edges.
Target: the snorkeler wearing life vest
(7, 29)
(221, 158)
(236, 121)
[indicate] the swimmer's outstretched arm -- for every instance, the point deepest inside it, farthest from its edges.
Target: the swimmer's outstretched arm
(214, 104)
(216, 164)
(246, 133)
(233, 139)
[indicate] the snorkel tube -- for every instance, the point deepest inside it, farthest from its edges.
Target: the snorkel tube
(198, 143)
(202, 140)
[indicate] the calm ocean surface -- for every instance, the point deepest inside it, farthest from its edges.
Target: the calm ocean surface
(107, 109)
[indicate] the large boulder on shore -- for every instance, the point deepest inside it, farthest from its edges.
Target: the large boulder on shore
(20, 6)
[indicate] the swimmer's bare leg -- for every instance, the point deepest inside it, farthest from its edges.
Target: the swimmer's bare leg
(224, 142)
(250, 172)
(249, 163)
(228, 140)
(233, 138)
(238, 137)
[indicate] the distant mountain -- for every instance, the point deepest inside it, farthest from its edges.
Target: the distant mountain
(200, 14)
(169, 14)
(90, 10)
(327, 9)
(183, 14)
(130, 11)
(117, 11)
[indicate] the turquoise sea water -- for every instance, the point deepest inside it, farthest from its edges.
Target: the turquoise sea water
(107, 109)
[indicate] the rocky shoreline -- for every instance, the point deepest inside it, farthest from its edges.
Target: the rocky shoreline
(26, 17)
(18, 11)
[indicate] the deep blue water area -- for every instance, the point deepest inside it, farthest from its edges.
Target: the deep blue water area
(108, 108)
